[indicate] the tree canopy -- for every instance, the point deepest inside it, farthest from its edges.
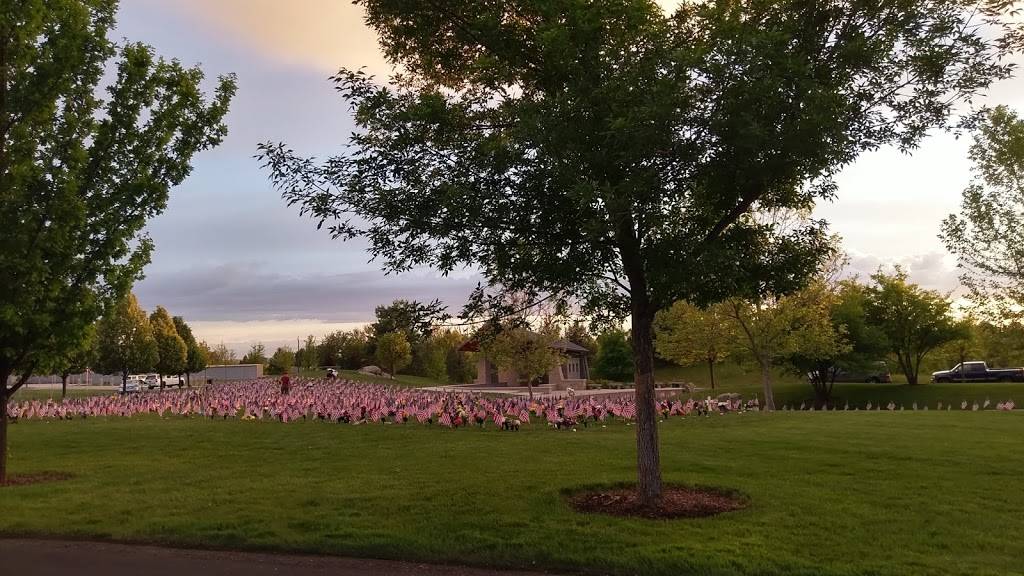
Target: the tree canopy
(987, 235)
(82, 171)
(525, 352)
(686, 334)
(915, 321)
(393, 351)
(613, 153)
(197, 355)
(172, 351)
(613, 358)
(125, 341)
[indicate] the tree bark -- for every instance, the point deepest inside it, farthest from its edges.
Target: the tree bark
(648, 458)
(766, 385)
(3, 426)
(711, 370)
(63, 386)
(5, 395)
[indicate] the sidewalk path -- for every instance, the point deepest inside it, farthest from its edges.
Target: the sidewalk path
(22, 556)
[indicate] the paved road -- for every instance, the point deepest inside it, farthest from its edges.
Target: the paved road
(30, 557)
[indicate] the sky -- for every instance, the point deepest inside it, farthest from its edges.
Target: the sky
(242, 267)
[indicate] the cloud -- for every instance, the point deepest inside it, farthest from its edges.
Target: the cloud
(932, 270)
(248, 291)
(320, 34)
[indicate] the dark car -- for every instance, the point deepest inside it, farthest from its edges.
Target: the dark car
(978, 372)
(875, 372)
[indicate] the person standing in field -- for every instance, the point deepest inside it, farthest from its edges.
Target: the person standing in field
(286, 384)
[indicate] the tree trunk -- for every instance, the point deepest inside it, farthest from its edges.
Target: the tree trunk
(711, 371)
(3, 427)
(648, 459)
(63, 386)
(766, 385)
(188, 379)
(124, 382)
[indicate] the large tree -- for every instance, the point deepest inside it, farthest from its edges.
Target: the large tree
(413, 318)
(524, 352)
(613, 358)
(257, 354)
(197, 355)
(83, 166)
(687, 335)
(771, 329)
(125, 341)
(75, 361)
(393, 351)
(988, 232)
(612, 152)
(915, 321)
(171, 348)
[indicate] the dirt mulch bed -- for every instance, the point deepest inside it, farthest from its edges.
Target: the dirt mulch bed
(676, 502)
(35, 478)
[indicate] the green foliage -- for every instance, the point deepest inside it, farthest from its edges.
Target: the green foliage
(172, 351)
(819, 344)
(1002, 344)
(525, 352)
(988, 232)
(393, 351)
(282, 361)
(414, 319)
(220, 355)
(430, 355)
(350, 349)
(915, 321)
(83, 167)
(197, 356)
(686, 334)
(257, 354)
(578, 334)
(125, 341)
(306, 357)
(796, 329)
(614, 358)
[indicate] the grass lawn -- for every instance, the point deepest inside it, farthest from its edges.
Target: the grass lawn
(838, 493)
(356, 376)
(793, 391)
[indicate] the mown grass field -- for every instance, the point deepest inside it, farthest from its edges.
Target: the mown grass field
(837, 493)
(790, 390)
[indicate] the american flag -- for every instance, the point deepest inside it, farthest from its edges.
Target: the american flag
(629, 411)
(446, 419)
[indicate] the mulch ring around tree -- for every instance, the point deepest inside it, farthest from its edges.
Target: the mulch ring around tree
(34, 478)
(677, 501)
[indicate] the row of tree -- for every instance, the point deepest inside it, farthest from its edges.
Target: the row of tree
(827, 327)
(127, 341)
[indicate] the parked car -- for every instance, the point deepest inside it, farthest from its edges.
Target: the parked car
(133, 384)
(876, 372)
(152, 381)
(978, 372)
(171, 381)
